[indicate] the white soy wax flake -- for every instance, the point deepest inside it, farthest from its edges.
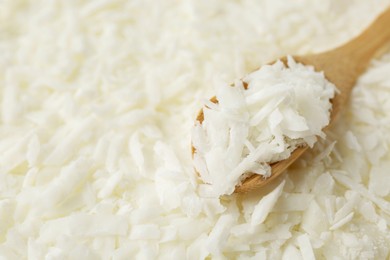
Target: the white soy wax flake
(281, 108)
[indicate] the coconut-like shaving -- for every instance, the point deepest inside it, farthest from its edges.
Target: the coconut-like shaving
(260, 120)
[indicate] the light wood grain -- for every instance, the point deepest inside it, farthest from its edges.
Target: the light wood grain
(341, 66)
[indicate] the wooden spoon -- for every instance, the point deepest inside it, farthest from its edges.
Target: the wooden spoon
(342, 66)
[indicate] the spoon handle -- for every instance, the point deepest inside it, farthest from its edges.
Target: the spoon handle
(361, 49)
(351, 60)
(343, 65)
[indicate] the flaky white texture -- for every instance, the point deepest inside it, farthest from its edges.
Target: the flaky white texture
(97, 102)
(279, 109)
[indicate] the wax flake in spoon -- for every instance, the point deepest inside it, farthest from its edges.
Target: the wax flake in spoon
(260, 120)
